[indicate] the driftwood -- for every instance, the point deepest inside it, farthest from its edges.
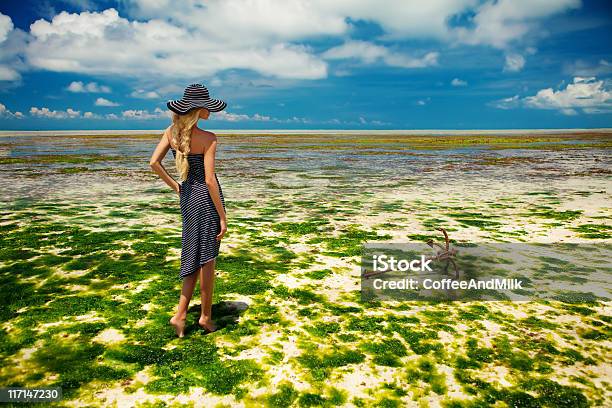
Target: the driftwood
(445, 253)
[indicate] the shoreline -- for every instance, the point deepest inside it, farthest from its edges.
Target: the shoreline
(397, 132)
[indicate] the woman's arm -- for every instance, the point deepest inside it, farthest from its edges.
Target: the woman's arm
(156, 162)
(213, 187)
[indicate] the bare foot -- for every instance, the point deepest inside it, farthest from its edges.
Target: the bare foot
(207, 324)
(179, 325)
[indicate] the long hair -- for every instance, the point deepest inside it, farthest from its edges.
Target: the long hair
(181, 136)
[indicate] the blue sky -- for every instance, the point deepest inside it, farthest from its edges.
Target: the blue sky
(386, 64)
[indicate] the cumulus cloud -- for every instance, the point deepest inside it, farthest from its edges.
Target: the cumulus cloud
(145, 114)
(141, 93)
(164, 39)
(70, 113)
(458, 82)
(7, 114)
(6, 26)
(514, 62)
(369, 53)
(12, 43)
(93, 87)
(240, 117)
(54, 114)
(158, 113)
(499, 23)
(585, 94)
(237, 117)
(490, 22)
(85, 42)
(105, 102)
(8, 74)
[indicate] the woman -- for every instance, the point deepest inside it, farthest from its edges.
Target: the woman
(201, 197)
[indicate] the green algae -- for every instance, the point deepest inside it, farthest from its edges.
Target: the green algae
(88, 265)
(349, 241)
(285, 396)
(320, 364)
(314, 226)
(59, 158)
(386, 352)
(424, 370)
(567, 215)
(594, 231)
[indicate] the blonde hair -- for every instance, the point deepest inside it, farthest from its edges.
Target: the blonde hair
(181, 138)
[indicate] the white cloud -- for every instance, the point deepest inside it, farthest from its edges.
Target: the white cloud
(458, 82)
(6, 26)
(586, 94)
(145, 114)
(5, 113)
(499, 23)
(364, 121)
(589, 94)
(8, 74)
(105, 102)
(54, 114)
(423, 102)
(514, 62)
(222, 116)
(369, 53)
(583, 68)
(247, 22)
(256, 22)
(241, 117)
(508, 103)
(238, 117)
(93, 87)
(12, 43)
(164, 39)
(70, 113)
(85, 42)
(142, 94)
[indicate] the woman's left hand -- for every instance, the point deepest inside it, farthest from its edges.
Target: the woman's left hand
(178, 189)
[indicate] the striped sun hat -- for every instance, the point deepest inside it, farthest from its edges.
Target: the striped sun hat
(195, 96)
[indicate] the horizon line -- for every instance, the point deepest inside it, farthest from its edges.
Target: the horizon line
(304, 131)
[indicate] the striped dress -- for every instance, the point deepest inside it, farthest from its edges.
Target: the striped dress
(201, 222)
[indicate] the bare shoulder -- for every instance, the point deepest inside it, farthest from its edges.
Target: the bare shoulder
(167, 135)
(206, 136)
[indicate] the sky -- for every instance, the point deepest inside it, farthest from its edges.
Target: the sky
(317, 64)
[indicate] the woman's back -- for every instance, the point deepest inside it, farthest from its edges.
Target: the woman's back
(200, 141)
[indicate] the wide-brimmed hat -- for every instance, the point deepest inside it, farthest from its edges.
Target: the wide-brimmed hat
(195, 96)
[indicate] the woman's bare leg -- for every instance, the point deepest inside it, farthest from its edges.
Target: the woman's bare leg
(207, 282)
(178, 320)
